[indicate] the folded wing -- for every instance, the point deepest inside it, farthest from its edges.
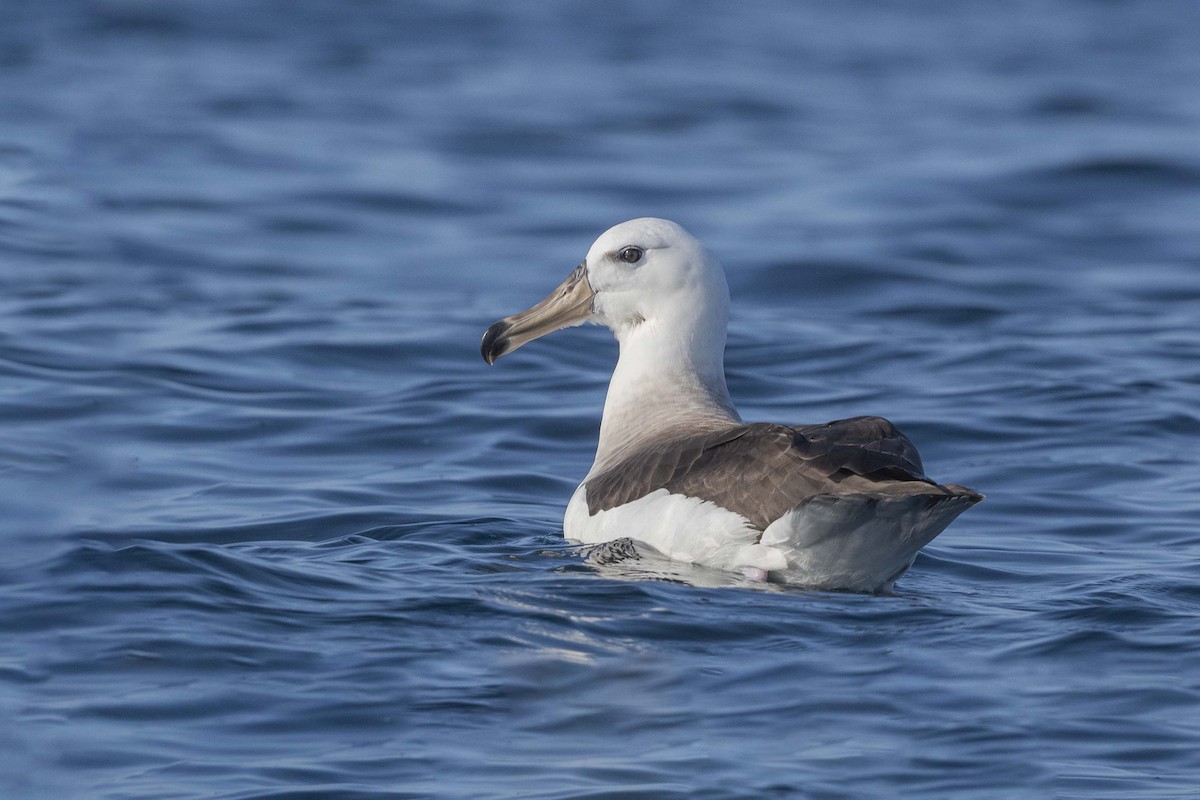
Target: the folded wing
(761, 470)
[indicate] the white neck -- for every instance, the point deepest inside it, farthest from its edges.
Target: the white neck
(670, 378)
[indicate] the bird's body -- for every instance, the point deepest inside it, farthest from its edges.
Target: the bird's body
(844, 505)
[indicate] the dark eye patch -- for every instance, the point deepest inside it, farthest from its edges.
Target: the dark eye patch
(631, 255)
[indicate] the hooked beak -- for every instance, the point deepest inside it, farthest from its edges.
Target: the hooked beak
(569, 304)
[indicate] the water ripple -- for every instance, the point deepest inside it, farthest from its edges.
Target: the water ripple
(273, 530)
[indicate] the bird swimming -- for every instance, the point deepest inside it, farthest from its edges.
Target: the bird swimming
(841, 505)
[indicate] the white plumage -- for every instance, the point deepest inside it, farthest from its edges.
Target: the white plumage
(843, 505)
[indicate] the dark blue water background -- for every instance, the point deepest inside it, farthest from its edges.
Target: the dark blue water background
(272, 529)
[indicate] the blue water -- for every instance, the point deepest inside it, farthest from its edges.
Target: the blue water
(272, 529)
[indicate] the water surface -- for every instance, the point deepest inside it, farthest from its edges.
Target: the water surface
(272, 529)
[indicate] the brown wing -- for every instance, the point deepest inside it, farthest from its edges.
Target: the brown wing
(866, 446)
(761, 471)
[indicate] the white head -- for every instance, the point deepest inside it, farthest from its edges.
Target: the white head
(647, 280)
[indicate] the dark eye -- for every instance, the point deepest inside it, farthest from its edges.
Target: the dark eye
(631, 255)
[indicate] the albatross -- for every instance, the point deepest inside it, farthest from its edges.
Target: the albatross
(841, 505)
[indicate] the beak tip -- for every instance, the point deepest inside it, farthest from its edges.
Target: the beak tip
(494, 343)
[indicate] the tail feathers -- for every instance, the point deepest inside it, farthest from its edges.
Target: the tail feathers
(863, 542)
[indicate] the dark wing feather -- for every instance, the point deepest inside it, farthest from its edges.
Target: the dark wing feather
(761, 471)
(867, 446)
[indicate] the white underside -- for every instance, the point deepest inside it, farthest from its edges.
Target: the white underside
(682, 528)
(858, 543)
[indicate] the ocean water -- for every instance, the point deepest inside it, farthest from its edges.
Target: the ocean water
(272, 529)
